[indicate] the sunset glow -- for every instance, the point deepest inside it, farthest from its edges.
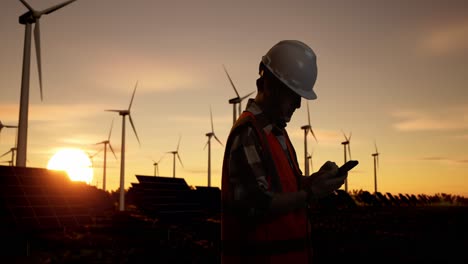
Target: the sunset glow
(75, 162)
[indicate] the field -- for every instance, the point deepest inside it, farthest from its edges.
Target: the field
(364, 232)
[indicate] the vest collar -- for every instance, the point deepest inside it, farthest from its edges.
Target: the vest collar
(262, 119)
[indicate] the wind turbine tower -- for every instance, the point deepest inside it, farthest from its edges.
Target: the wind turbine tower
(124, 113)
(175, 153)
(105, 143)
(208, 143)
(307, 128)
(376, 164)
(236, 100)
(156, 168)
(346, 144)
(27, 19)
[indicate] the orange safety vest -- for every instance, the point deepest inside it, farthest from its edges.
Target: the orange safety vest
(279, 239)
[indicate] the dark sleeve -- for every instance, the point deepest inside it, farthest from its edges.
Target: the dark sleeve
(248, 180)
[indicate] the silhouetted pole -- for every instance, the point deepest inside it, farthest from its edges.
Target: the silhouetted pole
(173, 166)
(345, 160)
(122, 167)
(24, 99)
(104, 174)
(209, 162)
(375, 172)
(306, 163)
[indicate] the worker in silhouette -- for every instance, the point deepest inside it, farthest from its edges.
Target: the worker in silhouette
(264, 194)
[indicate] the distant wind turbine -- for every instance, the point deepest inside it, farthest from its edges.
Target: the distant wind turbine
(309, 157)
(156, 165)
(6, 126)
(208, 143)
(91, 157)
(175, 153)
(346, 144)
(236, 100)
(12, 151)
(27, 19)
(376, 165)
(105, 143)
(307, 128)
(124, 113)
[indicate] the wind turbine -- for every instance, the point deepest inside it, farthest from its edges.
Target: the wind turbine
(175, 153)
(27, 19)
(124, 113)
(376, 164)
(91, 157)
(12, 151)
(236, 100)
(346, 144)
(309, 157)
(208, 143)
(155, 164)
(307, 128)
(6, 126)
(106, 142)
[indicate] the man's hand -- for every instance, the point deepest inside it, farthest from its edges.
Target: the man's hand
(324, 181)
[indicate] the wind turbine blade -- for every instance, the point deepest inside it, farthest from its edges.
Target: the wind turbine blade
(27, 5)
(113, 110)
(313, 134)
(375, 144)
(178, 143)
(58, 6)
(211, 118)
(110, 146)
(308, 113)
(178, 157)
(349, 139)
(160, 159)
(239, 108)
(37, 42)
(6, 153)
(134, 130)
(206, 144)
(230, 80)
(133, 95)
(217, 139)
(344, 134)
(245, 96)
(110, 131)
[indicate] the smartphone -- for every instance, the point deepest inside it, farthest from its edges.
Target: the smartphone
(347, 166)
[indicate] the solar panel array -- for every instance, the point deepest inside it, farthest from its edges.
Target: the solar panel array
(172, 199)
(33, 199)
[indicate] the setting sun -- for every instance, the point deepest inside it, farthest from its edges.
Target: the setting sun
(75, 162)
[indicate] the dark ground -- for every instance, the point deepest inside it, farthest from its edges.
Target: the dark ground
(405, 234)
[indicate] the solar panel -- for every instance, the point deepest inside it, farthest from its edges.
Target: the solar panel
(165, 198)
(37, 199)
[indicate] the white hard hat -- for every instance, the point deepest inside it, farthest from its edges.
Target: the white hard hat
(295, 64)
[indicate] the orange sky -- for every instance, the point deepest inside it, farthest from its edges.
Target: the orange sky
(393, 72)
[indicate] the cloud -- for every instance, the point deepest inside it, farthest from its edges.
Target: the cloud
(448, 119)
(449, 39)
(444, 159)
(152, 73)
